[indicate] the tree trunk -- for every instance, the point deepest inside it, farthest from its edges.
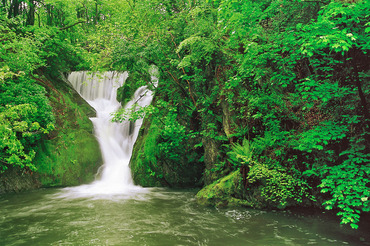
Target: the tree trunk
(211, 157)
(31, 13)
(49, 15)
(364, 104)
(13, 9)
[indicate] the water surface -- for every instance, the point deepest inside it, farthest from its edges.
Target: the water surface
(156, 217)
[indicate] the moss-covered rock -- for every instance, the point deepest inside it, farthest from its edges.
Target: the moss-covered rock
(72, 158)
(71, 155)
(223, 192)
(151, 167)
(143, 161)
(263, 188)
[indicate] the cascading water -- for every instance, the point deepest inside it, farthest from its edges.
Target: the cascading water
(116, 139)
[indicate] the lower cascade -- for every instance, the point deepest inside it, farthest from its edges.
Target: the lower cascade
(116, 139)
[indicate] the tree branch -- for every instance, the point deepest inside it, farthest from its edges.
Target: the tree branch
(67, 27)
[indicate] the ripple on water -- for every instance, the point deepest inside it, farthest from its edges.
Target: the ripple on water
(239, 215)
(155, 217)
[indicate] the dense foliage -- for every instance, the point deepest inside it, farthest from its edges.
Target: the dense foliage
(33, 41)
(277, 89)
(25, 114)
(290, 76)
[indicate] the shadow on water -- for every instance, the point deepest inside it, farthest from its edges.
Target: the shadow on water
(158, 217)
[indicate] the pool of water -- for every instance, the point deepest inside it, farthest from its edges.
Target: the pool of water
(158, 217)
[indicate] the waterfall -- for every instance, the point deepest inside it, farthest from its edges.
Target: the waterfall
(116, 140)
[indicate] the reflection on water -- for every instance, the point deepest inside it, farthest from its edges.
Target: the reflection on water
(156, 217)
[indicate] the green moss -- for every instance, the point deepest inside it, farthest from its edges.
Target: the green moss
(265, 188)
(152, 166)
(71, 155)
(70, 159)
(127, 91)
(223, 192)
(143, 163)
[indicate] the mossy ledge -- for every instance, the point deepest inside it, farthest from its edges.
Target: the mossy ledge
(69, 155)
(263, 188)
(151, 168)
(224, 192)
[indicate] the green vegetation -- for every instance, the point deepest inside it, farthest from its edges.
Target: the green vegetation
(36, 47)
(164, 157)
(71, 155)
(289, 76)
(25, 115)
(226, 191)
(271, 93)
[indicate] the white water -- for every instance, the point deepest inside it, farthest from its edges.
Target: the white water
(116, 139)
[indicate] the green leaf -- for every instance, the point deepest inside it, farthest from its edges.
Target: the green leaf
(354, 226)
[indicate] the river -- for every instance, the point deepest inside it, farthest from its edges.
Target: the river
(158, 217)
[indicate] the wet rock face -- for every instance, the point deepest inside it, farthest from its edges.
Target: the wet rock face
(17, 180)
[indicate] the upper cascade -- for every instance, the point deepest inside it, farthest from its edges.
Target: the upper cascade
(92, 86)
